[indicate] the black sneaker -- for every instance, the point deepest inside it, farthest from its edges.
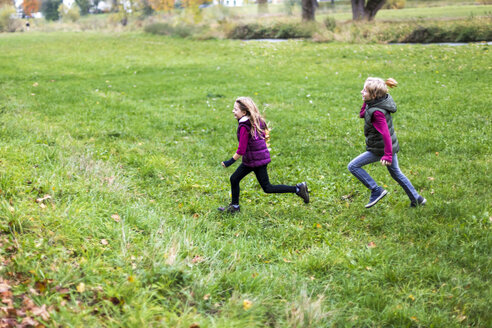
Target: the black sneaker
(231, 209)
(376, 195)
(419, 202)
(303, 191)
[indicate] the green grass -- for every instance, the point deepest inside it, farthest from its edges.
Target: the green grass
(137, 125)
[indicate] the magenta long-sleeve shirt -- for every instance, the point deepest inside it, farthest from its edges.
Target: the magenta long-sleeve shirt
(379, 122)
(243, 141)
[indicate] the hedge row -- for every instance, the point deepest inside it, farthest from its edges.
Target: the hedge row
(469, 30)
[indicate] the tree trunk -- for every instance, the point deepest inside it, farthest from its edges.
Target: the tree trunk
(363, 11)
(357, 9)
(372, 7)
(308, 9)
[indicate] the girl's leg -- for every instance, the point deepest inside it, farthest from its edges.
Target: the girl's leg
(399, 177)
(262, 176)
(236, 178)
(355, 167)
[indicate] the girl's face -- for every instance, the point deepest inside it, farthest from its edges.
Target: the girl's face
(365, 94)
(238, 113)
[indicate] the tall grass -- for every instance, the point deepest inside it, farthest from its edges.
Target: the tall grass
(125, 132)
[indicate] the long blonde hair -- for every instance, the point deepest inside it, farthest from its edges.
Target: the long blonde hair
(377, 87)
(247, 105)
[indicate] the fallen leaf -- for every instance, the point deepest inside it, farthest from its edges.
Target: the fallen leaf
(35, 84)
(41, 312)
(42, 199)
(206, 297)
(28, 303)
(41, 285)
(104, 242)
(431, 178)
(131, 279)
(4, 287)
(437, 153)
(28, 321)
(411, 297)
(81, 287)
(197, 259)
(287, 261)
(247, 304)
(194, 325)
(371, 244)
(116, 217)
(62, 290)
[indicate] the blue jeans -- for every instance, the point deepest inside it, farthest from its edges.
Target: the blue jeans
(355, 167)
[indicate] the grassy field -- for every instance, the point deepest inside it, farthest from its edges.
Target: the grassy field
(110, 147)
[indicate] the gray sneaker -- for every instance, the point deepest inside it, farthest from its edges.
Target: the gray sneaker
(376, 195)
(230, 209)
(303, 191)
(419, 202)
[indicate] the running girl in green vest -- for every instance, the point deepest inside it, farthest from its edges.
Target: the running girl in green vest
(381, 142)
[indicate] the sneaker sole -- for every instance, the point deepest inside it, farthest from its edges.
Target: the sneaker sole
(384, 193)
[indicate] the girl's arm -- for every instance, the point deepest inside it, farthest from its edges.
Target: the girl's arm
(241, 149)
(362, 110)
(380, 124)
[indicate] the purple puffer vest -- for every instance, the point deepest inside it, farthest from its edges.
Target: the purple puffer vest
(257, 153)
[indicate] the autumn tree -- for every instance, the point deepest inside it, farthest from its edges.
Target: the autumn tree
(308, 9)
(30, 6)
(4, 3)
(84, 6)
(362, 10)
(161, 5)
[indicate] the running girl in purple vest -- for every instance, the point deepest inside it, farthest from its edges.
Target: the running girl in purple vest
(381, 142)
(251, 134)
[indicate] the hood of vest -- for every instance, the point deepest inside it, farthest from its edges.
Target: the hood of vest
(387, 103)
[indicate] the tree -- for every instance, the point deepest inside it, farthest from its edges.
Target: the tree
(84, 6)
(6, 3)
(366, 11)
(30, 6)
(162, 5)
(308, 9)
(49, 8)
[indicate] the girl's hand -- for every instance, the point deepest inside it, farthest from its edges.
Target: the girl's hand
(223, 164)
(385, 163)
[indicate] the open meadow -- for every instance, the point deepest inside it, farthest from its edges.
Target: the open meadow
(110, 176)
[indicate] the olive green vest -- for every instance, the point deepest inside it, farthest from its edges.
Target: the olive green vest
(374, 139)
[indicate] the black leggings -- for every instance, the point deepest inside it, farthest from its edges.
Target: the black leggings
(262, 177)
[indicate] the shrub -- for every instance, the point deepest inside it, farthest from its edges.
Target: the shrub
(451, 32)
(69, 13)
(330, 23)
(6, 20)
(180, 30)
(276, 31)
